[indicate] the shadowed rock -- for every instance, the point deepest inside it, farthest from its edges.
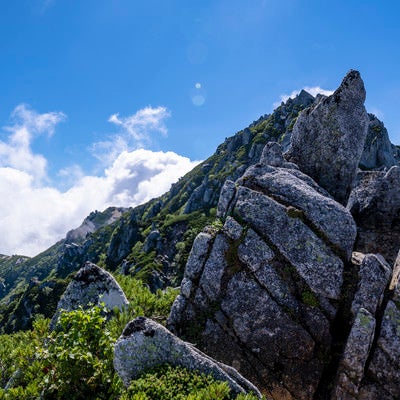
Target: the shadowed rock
(375, 206)
(373, 278)
(328, 137)
(378, 152)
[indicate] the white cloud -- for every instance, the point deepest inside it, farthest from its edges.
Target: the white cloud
(138, 125)
(34, 215)
(134, 132)
(16, 151)
(314, 90)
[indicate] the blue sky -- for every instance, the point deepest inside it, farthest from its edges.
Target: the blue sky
(106, 102)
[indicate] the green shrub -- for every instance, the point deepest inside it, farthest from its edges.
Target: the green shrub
(142, 302)
(78, 358)
(166, 383)
(21, 370)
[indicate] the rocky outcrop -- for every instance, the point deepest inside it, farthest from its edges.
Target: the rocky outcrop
(126, 233)
(378, 151)
(276, 291)
(145, 344)
(204, 196)
(94, 221)
(375, 206)
(153, 241)
(91, 285)
(328, 137)
(261, 293)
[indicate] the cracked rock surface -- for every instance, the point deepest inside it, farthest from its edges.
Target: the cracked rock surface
(261, 293)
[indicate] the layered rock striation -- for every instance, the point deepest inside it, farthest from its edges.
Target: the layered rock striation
(262, 292)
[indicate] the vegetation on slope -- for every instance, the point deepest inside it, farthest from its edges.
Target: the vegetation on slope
(76, 360)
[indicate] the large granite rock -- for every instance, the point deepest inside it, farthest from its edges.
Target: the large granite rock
(328, 137)
(262, 293)
(145, 344)
(375, 206)
(90, 286)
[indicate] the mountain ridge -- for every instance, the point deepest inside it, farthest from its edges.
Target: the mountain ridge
(152, 241)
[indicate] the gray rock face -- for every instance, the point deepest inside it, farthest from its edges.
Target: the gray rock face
(144, 344)
(355, 356)
(153, 241)
(385, 363)
(93, 222)
(378, 151)
(375, 206)
(128, 232)
(205, 194)
(368, 304)
(328, 137)
(374, 276)
(370, 366)
(261, 293)
(91, 285)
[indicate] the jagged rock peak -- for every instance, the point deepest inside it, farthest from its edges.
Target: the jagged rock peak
(351, 89)
(272, 155)
(304, 97)
(94, 221)
(328, 137)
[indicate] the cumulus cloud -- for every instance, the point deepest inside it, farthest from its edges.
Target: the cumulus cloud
(135, 131)
(139, 124)
(15, 152)
(314, 90)
(34, 214)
